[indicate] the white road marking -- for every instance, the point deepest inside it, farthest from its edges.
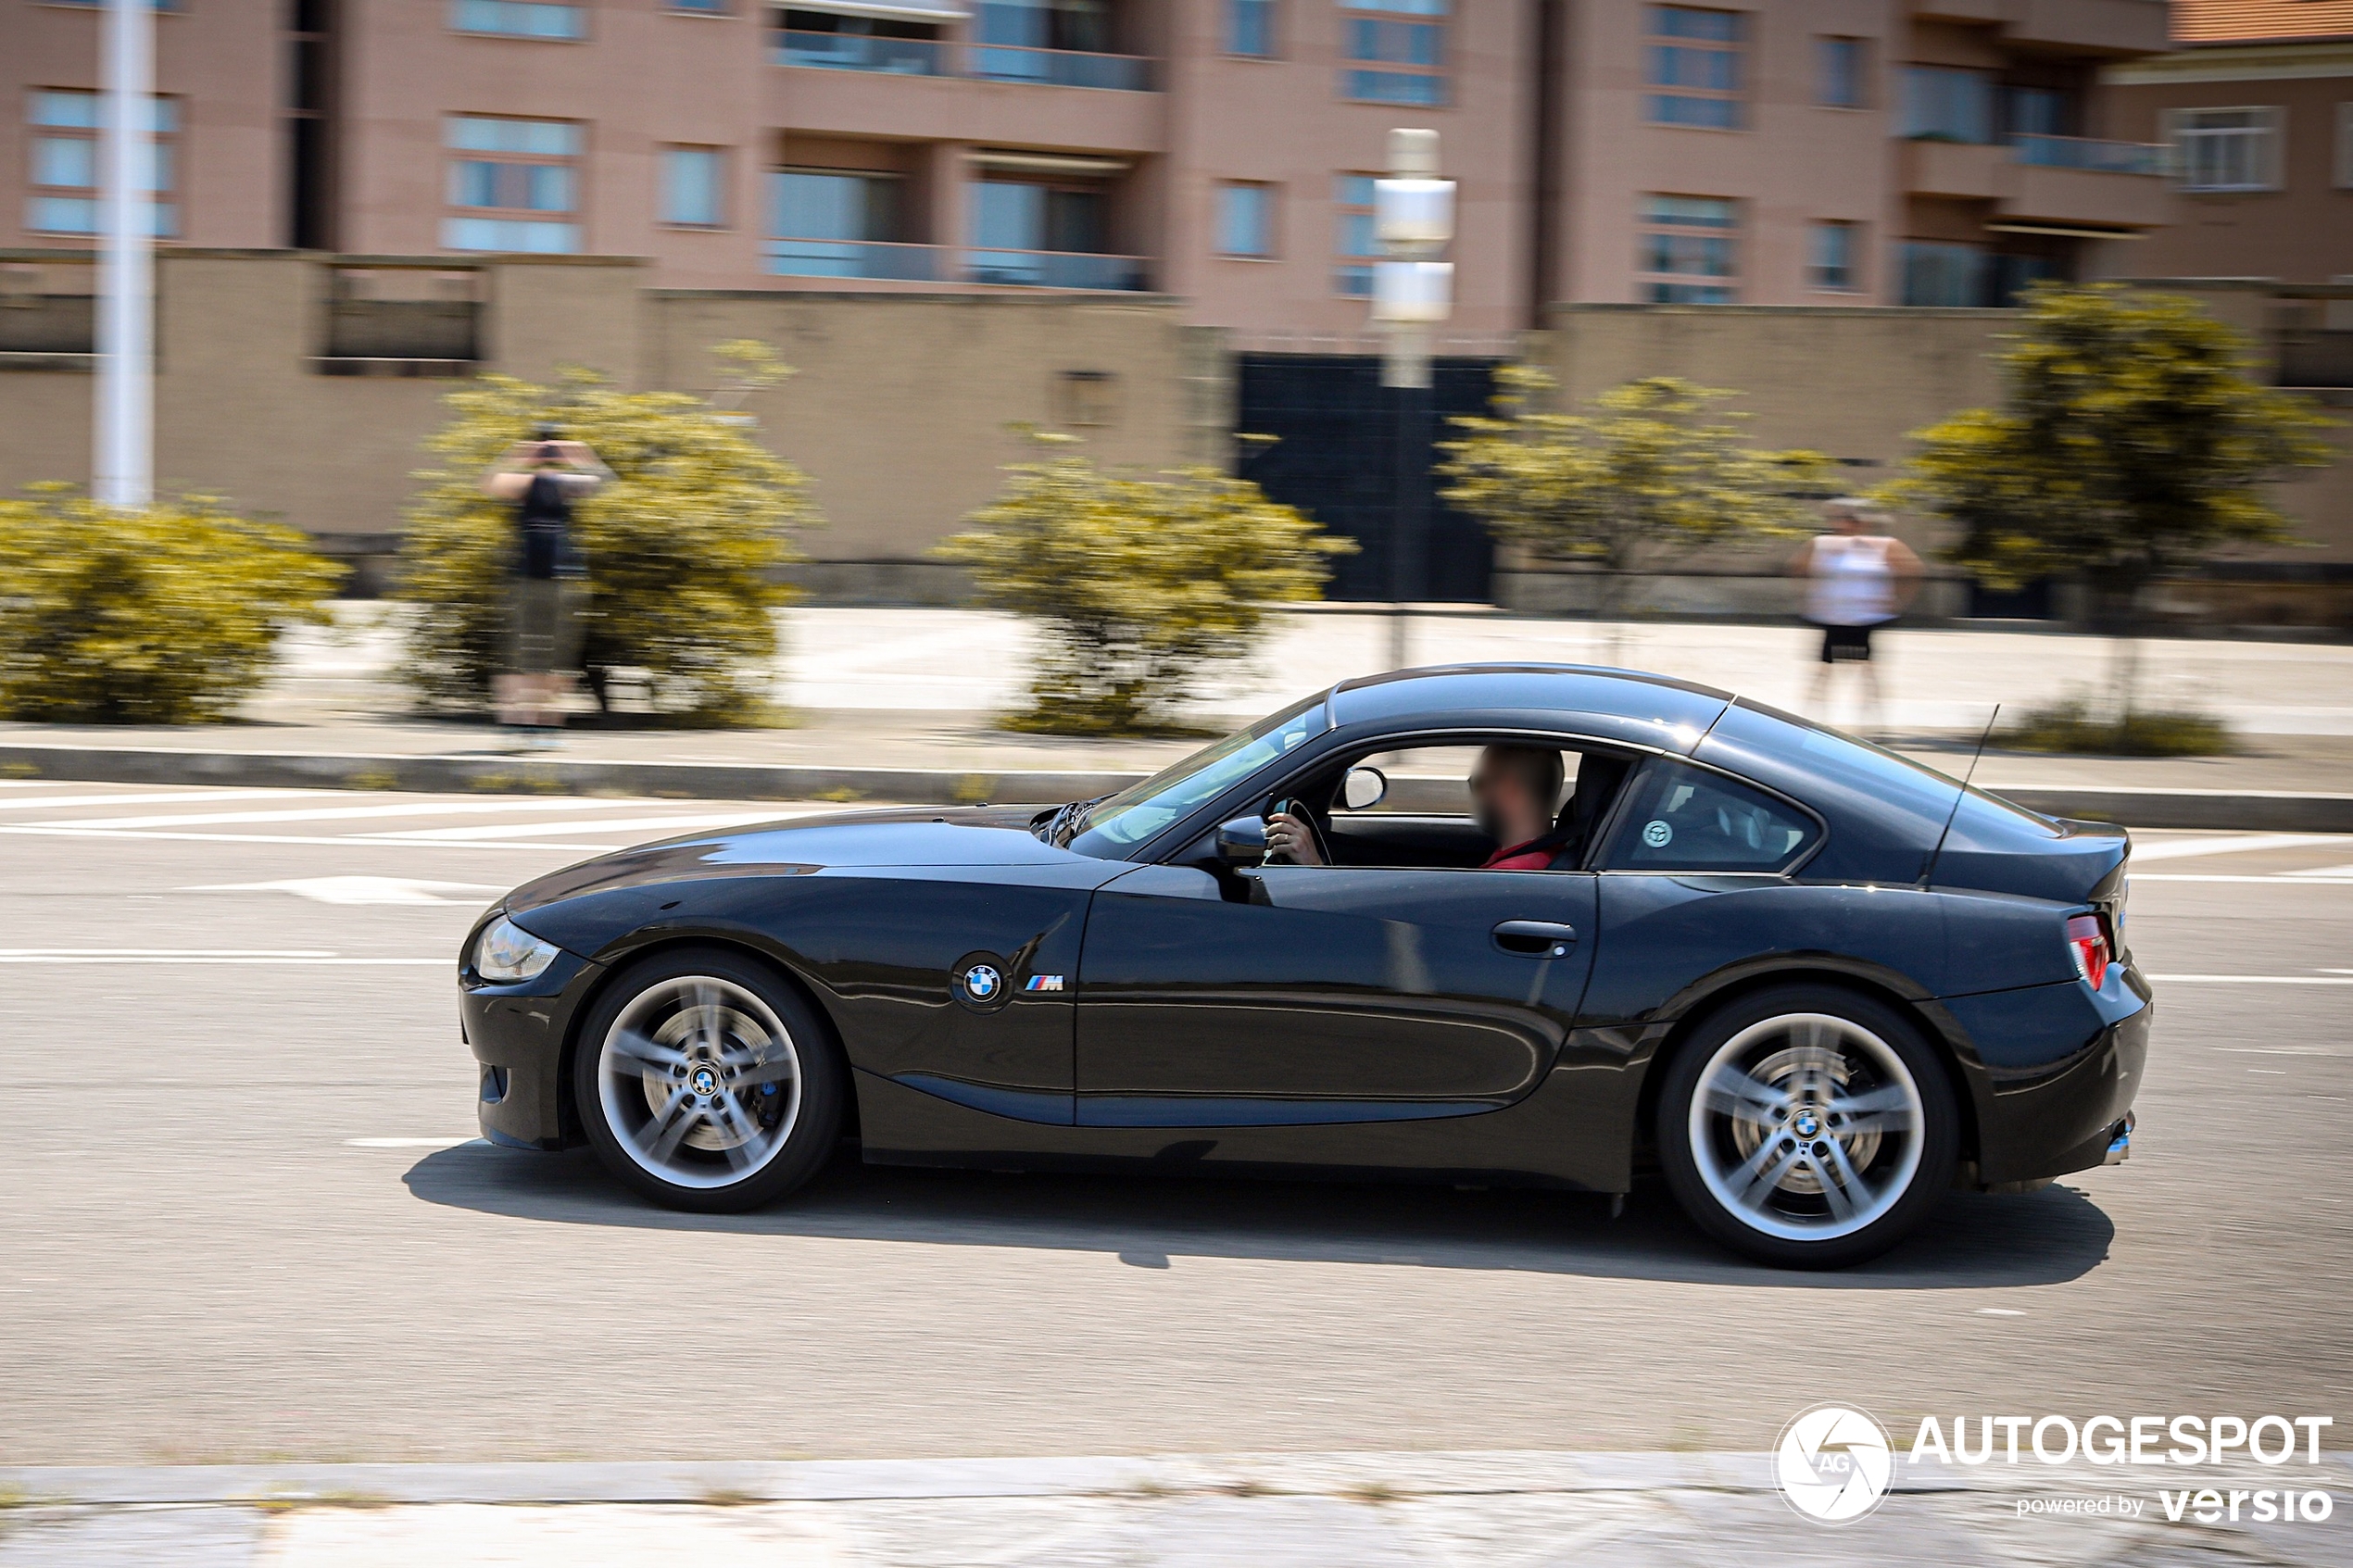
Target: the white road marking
(2253, 979)
(185, 797)
(626, 824)
(407, 1142)
(337, 813)
(2322, 872)
(2235, 844)
(198, 955)
(357, 890)
(2277, 879)
(346, 842)
(2000, 1313)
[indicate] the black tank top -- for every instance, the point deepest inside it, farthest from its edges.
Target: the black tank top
(544, 517)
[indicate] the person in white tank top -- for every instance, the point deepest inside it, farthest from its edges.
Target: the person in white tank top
(1857, 577)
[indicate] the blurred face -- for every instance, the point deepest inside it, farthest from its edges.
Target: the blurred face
(1847, 521)
(1503, 798)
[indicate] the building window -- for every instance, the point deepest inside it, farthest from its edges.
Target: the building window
(1830, 257)
(694, 186)
(839, 223)
(1937, 272)
(2345, 145)
(513, 184)
(1356, 240)
(2226, 149)
(64, 183)
(1695, 67)
(703, 8)
(2036, 111)
(1246, 220)
(1838, 79)
(1249, 28)
(1689, 250)
(1947, 104)
(1398, 56)
(518, 18)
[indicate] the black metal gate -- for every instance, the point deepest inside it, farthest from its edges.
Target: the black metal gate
(1335, 458)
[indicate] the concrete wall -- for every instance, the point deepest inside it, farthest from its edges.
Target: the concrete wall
(1855, 383)
(900, 409)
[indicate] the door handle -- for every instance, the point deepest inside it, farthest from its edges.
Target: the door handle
(1535, 938)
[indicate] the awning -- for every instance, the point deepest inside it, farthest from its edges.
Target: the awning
(2065, 232)
(881, 8)
(1048, 163)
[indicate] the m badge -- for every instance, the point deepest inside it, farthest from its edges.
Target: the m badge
(1043, 982)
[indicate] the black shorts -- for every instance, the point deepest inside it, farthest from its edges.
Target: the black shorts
(1842, 644)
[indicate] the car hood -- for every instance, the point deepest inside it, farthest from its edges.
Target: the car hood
(910, 837)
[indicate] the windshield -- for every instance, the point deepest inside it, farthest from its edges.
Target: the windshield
(1141, 811)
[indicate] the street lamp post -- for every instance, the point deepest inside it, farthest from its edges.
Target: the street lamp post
(122, 455)
(1414, 217)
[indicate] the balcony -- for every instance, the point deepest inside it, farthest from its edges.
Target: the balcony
(978, 62)
(2067, 181)
(880, 261)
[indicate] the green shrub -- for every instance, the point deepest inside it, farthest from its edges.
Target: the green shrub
(168, 615)
(2073, 725)
(1138, 583)
(682, 548)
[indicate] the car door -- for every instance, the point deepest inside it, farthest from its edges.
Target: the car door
(1330, 993)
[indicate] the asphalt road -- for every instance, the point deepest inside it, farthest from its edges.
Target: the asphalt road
(239, 1220)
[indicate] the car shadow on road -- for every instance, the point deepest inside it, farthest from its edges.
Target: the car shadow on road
(1969, 1243)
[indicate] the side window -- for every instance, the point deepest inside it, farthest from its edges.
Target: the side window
(1686, 819)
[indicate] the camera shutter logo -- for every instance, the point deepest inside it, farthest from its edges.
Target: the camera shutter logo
(1833, 1465)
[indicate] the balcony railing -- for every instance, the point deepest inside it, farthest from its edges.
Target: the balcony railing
(986, 62)
(2086, 152)
(930, 264)
(1054, 269)
(854, 258)
(856, 51)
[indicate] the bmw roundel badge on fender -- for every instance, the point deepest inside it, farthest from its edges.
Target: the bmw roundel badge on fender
(980, 982)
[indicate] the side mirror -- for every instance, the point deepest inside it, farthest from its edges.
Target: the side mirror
(1242, 842)
(1363, 788)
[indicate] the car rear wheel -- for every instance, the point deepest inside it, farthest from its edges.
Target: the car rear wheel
(706, 1083)
(1807, 1127)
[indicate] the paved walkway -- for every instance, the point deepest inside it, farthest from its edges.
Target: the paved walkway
(1512, 1510)
(921, 688)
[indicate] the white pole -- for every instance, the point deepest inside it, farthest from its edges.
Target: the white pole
(123, 456)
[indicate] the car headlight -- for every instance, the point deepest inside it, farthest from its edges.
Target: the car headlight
(506, 951)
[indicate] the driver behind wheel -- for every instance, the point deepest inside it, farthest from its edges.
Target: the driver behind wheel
(1512, 791)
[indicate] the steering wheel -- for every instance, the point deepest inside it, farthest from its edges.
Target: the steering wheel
(1306, 815)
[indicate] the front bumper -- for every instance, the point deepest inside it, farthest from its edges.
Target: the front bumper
(517, 1034)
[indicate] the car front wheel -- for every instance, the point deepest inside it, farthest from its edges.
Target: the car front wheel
(705, 1082)
(1807, 1127)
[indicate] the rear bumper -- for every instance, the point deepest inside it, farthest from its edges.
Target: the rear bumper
(517, 1034)
(2068, 1122)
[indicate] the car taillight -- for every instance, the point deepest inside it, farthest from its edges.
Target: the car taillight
(2087, 944)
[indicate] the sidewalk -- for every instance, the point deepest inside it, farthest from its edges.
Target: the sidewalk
(1506, 1510)
(901, 705)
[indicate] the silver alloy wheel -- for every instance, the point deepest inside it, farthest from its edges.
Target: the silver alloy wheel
(700, 1081)
(1807, 1126)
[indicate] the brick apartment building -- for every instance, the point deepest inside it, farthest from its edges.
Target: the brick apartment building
(1805, 151)
(2257, 101)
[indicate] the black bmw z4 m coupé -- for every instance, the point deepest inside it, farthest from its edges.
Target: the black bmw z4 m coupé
(1813, 983)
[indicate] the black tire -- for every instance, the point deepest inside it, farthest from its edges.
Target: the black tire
(1753, 1171)
(770, 1117)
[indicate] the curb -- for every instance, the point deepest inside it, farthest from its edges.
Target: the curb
(1437, 1473)
(2235, 811)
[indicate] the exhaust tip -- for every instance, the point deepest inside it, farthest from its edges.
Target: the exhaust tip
(2120, 1141)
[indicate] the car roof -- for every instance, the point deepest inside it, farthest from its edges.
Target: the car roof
(1630, 704)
